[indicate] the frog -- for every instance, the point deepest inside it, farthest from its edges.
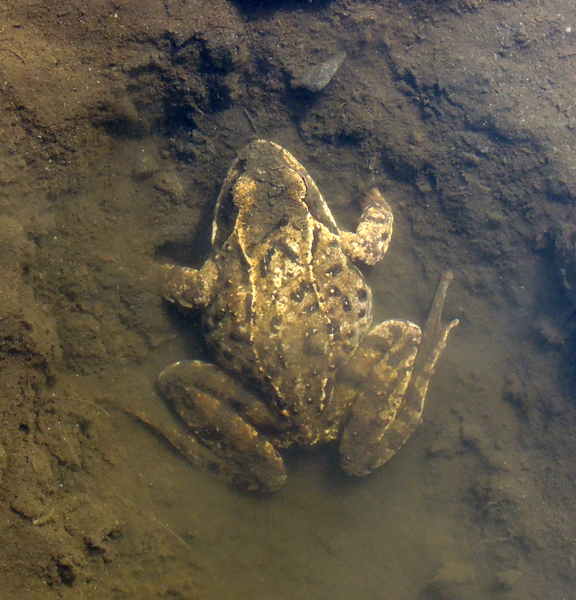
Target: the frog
(287, 320)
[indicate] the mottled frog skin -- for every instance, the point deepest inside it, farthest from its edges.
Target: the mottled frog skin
(287, 317)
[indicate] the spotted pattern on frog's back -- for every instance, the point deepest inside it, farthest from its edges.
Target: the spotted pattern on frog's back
(292, 308)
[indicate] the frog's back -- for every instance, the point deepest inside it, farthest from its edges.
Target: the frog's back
(288, 324)
(312, 319)
(291, 308)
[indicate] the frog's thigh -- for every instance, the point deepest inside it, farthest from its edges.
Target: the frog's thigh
(381, 418)
(223, 415)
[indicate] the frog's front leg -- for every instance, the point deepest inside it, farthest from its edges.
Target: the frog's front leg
(190, 287)
(228, 419)
(395, 361)
(370, 241)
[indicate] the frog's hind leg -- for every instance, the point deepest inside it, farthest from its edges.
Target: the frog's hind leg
(395, 361)
(227, 419)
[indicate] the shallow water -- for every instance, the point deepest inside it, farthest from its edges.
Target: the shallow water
(409, 527)
(118, 129)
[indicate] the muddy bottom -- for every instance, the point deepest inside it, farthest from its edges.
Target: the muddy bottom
(119, 123)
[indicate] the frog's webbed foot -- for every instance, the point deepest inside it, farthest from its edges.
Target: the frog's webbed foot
(370, 242)
(190, 287)
(228, 420)
(396, 361)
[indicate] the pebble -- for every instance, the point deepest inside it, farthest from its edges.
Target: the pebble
(169, 183)
(318, 77)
